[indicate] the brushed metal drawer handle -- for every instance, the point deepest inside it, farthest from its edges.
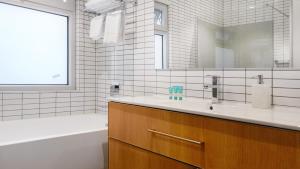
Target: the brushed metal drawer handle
(175, 137)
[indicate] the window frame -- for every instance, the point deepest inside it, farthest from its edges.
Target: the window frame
(165, 38)
(71, 49)
(164, 9)
(164, 32)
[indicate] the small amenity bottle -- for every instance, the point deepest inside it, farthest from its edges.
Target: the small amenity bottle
(171, 91)
(180, 93)
(175, 92)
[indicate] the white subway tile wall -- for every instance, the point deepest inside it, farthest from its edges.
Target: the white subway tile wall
(183, 15)
(136, 73)
(131, 63)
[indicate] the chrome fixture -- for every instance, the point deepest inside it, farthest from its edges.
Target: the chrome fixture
(215, 89)
(175, 137)
(115, 89)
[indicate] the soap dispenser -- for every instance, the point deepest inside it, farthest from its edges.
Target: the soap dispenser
(261, 94)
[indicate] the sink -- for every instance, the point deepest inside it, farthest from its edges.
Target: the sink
(186, 102)
(203, 105)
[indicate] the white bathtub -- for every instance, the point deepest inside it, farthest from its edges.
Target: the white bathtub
(73, 142)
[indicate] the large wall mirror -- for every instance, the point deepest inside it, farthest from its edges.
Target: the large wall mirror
(225, 34)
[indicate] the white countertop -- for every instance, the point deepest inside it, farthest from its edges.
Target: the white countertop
(281, 117)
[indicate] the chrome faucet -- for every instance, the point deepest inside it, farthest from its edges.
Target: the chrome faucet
(215, 87)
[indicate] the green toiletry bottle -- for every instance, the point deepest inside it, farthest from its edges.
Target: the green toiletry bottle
(180, 88)
(170, 93)
(175, 88)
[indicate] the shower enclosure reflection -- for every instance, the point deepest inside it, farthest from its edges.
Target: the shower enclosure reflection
(225, 34)
(247, 46)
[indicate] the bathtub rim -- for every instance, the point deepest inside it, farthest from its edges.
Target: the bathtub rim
(53, 136)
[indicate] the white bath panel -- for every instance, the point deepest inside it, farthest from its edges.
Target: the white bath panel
(83, 151)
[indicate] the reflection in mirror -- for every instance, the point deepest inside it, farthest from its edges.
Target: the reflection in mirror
(223, 34)
(247, 45)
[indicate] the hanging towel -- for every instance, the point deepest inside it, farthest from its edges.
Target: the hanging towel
(113, 27)
(96, 27)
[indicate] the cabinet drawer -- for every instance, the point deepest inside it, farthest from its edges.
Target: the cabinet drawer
(175, 135)
(125, 156)
(236, 145)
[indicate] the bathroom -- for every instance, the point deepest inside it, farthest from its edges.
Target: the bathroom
(149, 84)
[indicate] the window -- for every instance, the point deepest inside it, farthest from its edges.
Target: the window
(161, 35)
(160, 50)
(158, 17)
(35, 47)
(161, 16)
(159, 62)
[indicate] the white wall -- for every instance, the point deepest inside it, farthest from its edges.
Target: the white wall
(296, 33)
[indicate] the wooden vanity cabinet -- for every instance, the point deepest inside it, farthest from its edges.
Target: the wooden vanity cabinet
(126, 156)
(140, 136)
(175, 135)
(235, 145)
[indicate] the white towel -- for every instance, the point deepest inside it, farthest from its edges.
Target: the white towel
(113, 27)
(96, 28)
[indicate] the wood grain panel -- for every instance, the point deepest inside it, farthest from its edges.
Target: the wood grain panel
(130, 124)
(184, 126)
(125, 156)
(234, 145)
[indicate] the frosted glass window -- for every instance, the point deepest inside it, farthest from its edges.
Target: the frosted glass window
(158, 17)
(159, 42)
(161, 16)
(33, 47)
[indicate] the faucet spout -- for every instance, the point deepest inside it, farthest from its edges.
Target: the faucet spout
(215, 87)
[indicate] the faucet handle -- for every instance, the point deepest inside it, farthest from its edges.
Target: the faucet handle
(213, 76)
(215, 80)
(260, 78)
(207, 86)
